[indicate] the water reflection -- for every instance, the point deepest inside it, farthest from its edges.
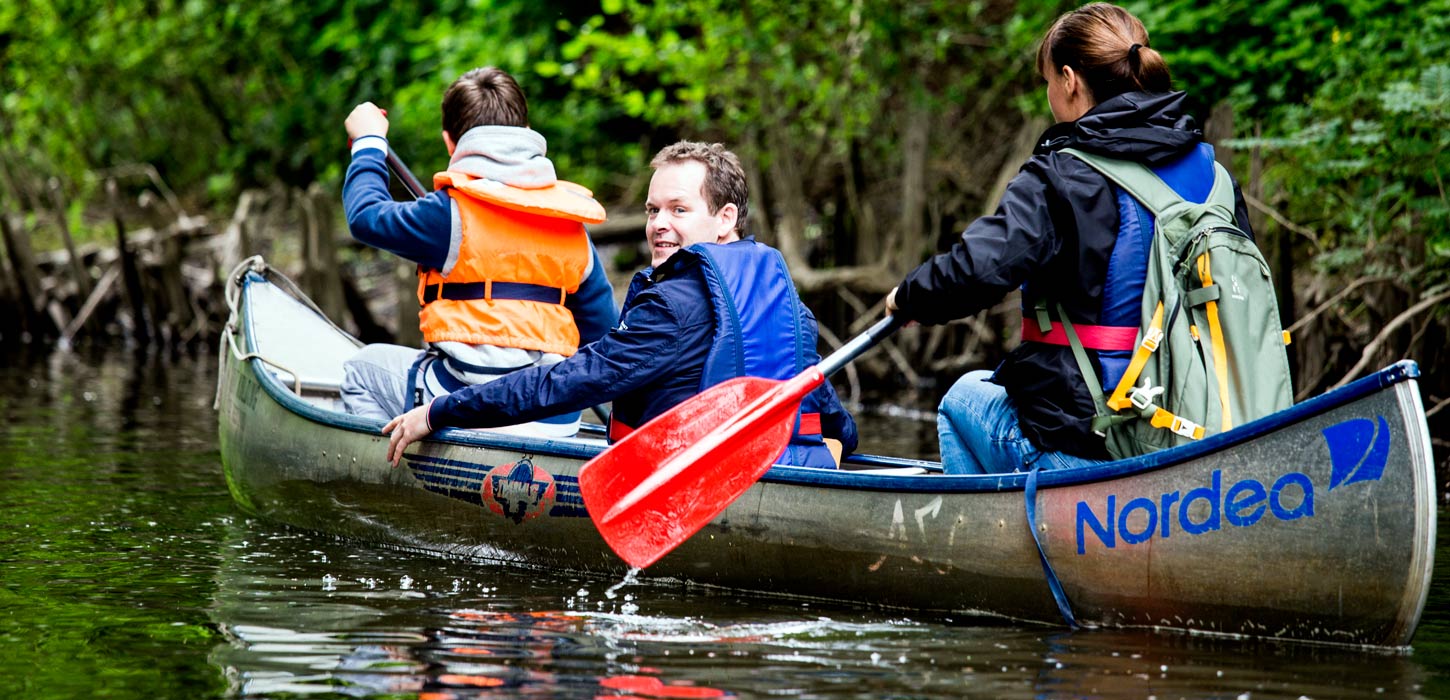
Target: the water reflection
(1117, 664)
(127, 572)
(305, 615)
(308, 616)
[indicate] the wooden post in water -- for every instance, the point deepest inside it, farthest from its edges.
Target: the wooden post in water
(77, 266)
(27, 280)
(130, 275)
(235, 240)
(322, 281)
(173, 307)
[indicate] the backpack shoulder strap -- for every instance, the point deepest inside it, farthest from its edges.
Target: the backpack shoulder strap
(1140, 182)
(1222, 193)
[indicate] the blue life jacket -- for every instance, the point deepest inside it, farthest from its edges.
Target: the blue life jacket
(1191, 176)
(760, 331)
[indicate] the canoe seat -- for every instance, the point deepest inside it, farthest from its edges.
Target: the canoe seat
(294, 338)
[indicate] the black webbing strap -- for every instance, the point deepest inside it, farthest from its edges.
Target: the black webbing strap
(468, 291)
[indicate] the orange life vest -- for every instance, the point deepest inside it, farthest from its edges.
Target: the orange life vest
(522, 252)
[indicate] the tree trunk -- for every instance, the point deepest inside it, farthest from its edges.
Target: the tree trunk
(788, 197)
(906, 246)
(1022, 146)
(866, 245)
(77, 266)
(1220, 128)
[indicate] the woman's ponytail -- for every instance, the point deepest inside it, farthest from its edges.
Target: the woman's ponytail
(1148, 69)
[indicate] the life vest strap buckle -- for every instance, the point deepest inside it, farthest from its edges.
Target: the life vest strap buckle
(437, 292)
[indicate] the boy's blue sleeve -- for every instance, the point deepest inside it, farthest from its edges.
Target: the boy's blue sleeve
(593, 305)
(418, 231)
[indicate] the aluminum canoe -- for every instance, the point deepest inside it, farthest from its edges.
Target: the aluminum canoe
(1316, 524)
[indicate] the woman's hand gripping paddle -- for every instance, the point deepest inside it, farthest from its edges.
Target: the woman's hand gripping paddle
(663, 482)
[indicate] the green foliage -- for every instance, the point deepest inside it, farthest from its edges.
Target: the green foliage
(1351, 98)
(221, 96)
(814, 96)
(827, 68)
(1347, 97)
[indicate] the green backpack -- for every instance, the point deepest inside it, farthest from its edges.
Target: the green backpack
(1210, 351)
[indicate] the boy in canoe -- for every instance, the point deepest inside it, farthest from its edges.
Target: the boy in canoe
(714, 304)
(507, 276)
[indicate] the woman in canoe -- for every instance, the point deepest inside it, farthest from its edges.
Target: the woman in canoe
(1064, 234)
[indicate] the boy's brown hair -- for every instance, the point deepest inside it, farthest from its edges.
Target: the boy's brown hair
(483, 96)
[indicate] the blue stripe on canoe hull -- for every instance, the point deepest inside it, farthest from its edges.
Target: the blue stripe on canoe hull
(465, 481)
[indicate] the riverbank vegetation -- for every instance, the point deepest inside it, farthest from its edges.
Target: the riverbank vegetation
(153, 143)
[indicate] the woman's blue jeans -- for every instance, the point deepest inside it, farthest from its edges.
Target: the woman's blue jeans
(980, 434)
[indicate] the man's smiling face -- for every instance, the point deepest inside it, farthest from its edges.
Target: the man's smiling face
(678, 214)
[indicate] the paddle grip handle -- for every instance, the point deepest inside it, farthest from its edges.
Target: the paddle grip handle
(860, 344)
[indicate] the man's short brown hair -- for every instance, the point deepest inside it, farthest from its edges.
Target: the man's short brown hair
(724, 178)
(483, 96)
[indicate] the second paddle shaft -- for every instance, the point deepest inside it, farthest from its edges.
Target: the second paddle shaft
(401, 171)
(860, 344)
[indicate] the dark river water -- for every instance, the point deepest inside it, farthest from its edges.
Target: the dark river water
(127, 572)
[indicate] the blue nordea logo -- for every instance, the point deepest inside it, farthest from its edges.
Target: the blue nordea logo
(1290, 498)
(1358, 451)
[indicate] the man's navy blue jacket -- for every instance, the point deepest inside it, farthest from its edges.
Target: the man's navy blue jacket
(651, 361)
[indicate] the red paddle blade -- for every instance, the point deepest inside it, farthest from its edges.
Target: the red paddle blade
(663, 482)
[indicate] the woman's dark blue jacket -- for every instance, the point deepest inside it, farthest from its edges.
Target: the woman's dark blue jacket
(1054, 232)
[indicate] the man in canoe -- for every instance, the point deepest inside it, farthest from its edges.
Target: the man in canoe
(507, 276)
(714, 304)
